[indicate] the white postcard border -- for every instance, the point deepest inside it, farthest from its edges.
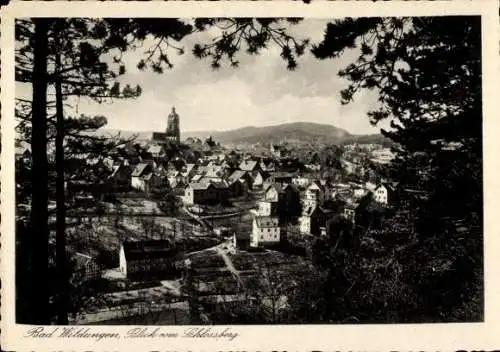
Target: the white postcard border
(289, 337)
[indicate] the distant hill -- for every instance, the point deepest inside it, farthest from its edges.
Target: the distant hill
(298, 131)
(301, 131)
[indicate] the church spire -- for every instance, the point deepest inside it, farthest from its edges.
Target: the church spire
(173, 128)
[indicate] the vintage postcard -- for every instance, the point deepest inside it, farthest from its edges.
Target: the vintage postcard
(199, 176)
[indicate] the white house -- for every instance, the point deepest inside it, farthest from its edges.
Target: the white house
(265, 231)
(273, 193)
(143, 258)
(266, 208)
(143, 177)
(315, 194)
(312, 220)
(383, 194)
(257, 180)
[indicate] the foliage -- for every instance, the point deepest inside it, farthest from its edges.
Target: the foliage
(427, 72)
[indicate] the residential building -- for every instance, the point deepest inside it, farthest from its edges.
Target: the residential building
(265, 231)
(206, 193)
(315, 194)
(312, 220)
(237, 183)
(273, 193)
(384, 194)
(249, 165)
(267, 208)
(150, 258)
(267, 165)
(143, 178)
(257, 180)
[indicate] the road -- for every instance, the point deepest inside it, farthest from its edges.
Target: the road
(229, 264)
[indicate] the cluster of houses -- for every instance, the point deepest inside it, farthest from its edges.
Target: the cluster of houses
(317, 201)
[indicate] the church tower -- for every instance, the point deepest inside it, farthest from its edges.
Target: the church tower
(173, 129)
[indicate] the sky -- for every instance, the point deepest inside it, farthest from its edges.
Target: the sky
(260, 92)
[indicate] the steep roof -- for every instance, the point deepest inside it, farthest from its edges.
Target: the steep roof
(248, 165)
(140, 170)
(275, 186)
(196, 178)
(198, 186)
(147, 249)
(220, 185)
(236, 175)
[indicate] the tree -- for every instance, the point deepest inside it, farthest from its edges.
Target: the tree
(73, 65)
(39, 232)
(427, 72)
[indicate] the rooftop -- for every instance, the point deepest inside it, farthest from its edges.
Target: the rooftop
(266, 221)
(147, 249)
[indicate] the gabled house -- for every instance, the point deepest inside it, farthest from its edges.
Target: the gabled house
(286, 199)
(312, 220)
(143, 178)
(265, 231)
(266, 208)
(249, 165)
(257, 180)
(150, 258)
(315, 194)
(238, 183)
(385, 194)
(273, 193)
(206, 193)
(267, 165)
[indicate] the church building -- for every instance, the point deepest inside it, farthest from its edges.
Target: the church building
(173, 132)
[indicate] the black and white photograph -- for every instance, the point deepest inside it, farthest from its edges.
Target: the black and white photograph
(245, 171)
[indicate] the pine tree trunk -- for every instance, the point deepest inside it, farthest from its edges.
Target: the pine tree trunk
(61, 260)
(39, 203)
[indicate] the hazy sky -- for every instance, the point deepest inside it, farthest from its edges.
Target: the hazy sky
(260, 92)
